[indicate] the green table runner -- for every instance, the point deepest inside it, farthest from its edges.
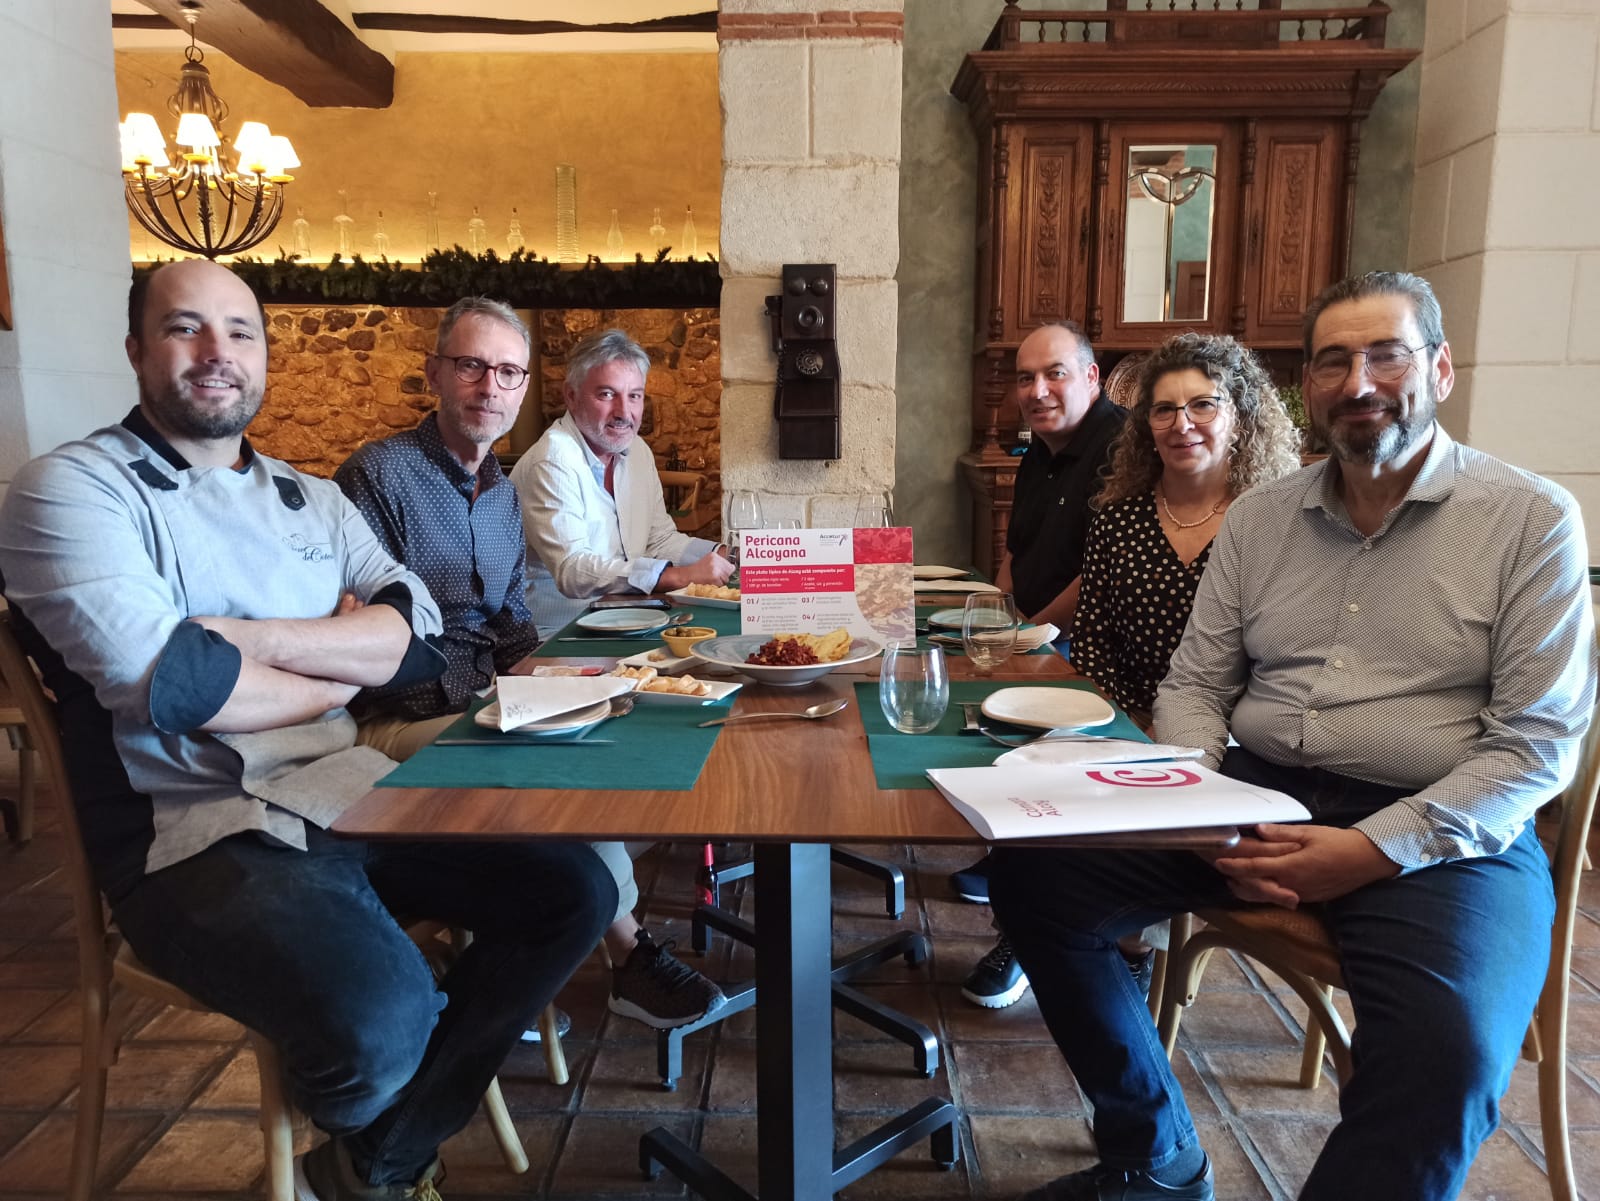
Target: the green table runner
(723, 621)
(901, 760)
(658, 746)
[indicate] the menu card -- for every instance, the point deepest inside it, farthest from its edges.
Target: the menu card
(814, 581)
(1053, 800)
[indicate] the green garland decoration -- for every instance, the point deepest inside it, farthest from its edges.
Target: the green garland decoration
(523, 280)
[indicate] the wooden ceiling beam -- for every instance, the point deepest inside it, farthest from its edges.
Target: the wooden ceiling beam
(701, 22)
(297, 44)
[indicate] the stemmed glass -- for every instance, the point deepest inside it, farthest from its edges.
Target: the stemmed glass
(744, 513)
(989, 629)
(913, 687)
(872, 511)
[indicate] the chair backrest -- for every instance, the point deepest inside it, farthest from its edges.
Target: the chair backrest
(1567, 856)
(39, 712)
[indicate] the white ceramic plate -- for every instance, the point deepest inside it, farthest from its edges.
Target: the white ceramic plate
(954, 586)
(720, 690)
(731, 651)
(562, 725)
(668, 665)
(932, 571)
(950, 619)
(625, 623)
(688, 598)
(1048, 708)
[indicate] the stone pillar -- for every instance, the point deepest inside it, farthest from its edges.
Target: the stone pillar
(1503, 226)
(62, 369)
(810, 174)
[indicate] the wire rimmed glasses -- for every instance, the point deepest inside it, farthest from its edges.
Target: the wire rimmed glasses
(469, 370)
(1202, 410)
(1386, 362)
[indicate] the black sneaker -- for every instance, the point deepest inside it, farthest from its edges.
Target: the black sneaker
(655, 987)
(1143, 968)
(325, 1173)
(1101, 1183)
(972, 883)
(563, 1028)
(998, 980)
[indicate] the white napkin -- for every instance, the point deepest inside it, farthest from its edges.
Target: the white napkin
(1069, 746)
(954, 586)
(1033, 637)
(533, 698)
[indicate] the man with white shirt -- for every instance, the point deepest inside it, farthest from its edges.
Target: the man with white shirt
(592, 507)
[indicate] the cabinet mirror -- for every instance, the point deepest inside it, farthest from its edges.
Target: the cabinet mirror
(1168, 232)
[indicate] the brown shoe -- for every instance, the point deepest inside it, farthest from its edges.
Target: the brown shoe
(325, 1173)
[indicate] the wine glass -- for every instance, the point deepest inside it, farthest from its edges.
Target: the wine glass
(989, 629)
(913, 687)
(872, 511)
(744, 513)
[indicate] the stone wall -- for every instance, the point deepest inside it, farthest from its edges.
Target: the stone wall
(341, 376)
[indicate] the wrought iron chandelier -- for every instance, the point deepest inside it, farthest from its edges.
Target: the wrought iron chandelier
(195, 203)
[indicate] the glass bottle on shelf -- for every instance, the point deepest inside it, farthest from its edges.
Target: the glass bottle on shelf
(514, 238)
(691, 239)
(344, 221)
(658, 231)
(614, 237)
(430, 228)
(380, 237)
(566, 213)
(302, 234)
(477, 233)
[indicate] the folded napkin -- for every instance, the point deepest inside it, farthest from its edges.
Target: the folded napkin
(525, 699)
(954, 586)
(1031, 638)
(1069, 746)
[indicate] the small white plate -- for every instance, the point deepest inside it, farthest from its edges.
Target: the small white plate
(950, 619)
(720, 690)
(668, 665)
(625, 623)
(561, 725)
(1048, 708)
(685, 597)
(932, 571)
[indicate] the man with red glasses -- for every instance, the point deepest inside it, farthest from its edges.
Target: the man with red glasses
(1401, 638)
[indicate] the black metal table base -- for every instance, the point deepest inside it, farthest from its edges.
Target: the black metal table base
(797, 979)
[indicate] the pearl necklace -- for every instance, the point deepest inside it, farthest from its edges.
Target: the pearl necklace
(1187, 525)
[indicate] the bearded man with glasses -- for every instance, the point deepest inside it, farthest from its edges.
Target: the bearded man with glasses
(1402, 639)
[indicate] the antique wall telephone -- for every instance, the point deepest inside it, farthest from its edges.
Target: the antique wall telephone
(806, 402)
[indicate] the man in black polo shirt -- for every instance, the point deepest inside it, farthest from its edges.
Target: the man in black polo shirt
(1073, 425)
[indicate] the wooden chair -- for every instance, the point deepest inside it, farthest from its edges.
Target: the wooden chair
(113, 981)
(1296, 946)
(18, 814)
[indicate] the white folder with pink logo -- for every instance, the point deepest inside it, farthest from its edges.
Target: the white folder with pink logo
(1054, 800)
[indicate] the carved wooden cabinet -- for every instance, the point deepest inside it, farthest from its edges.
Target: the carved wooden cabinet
(1190, 165)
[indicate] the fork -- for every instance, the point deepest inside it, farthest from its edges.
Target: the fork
(972, 717)
(621, 706)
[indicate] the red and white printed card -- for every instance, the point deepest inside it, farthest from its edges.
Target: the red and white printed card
(814, 581)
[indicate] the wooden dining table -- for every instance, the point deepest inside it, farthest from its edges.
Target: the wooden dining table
(793, 789)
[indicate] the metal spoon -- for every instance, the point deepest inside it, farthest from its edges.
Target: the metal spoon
(821, 709)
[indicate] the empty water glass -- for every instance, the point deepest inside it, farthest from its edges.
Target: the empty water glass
(744, 513)
(989, 630)
(913, 687)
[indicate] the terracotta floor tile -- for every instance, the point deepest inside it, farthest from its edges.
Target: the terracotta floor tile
(625, 1079)
(1015, 1078)
(237, 1086)
(601, 1158)
(200, 1153)
(948, 915)
(879, 1078)
(729, 1142)
(912, 1174)
(14, 1124)
(172, 1024)
(160, 1078)
(1264, 1083)
(1504, 1170)
(1236, 1019)
(19, 1007)
(965, 1021)
(27, 916)
(1237, 1177)
(474, 1165)
(1290, 1146)
(732, 1087)
(37, 1077)
(39, 1163)
(1014, 1154)
(1521, 1102)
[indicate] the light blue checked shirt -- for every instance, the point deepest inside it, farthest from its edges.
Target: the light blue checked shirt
(1452, 652)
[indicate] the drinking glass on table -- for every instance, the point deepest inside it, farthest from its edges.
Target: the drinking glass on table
(744, 513)
(989, 629)
(913, 687)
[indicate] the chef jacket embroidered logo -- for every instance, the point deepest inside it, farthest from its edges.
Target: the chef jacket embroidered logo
(311, 552)
(1146, 777)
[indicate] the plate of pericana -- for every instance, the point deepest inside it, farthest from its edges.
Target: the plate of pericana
(657, 688)
(826, 652)
(711, 596)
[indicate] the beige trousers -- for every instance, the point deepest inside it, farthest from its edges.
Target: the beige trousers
(400, 738)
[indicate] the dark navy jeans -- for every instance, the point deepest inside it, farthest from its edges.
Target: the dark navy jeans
(302, 947)
(1443, 966)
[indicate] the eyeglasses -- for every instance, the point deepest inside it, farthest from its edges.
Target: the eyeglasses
(1386, 362)
(470, 370)
(1202, 410)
